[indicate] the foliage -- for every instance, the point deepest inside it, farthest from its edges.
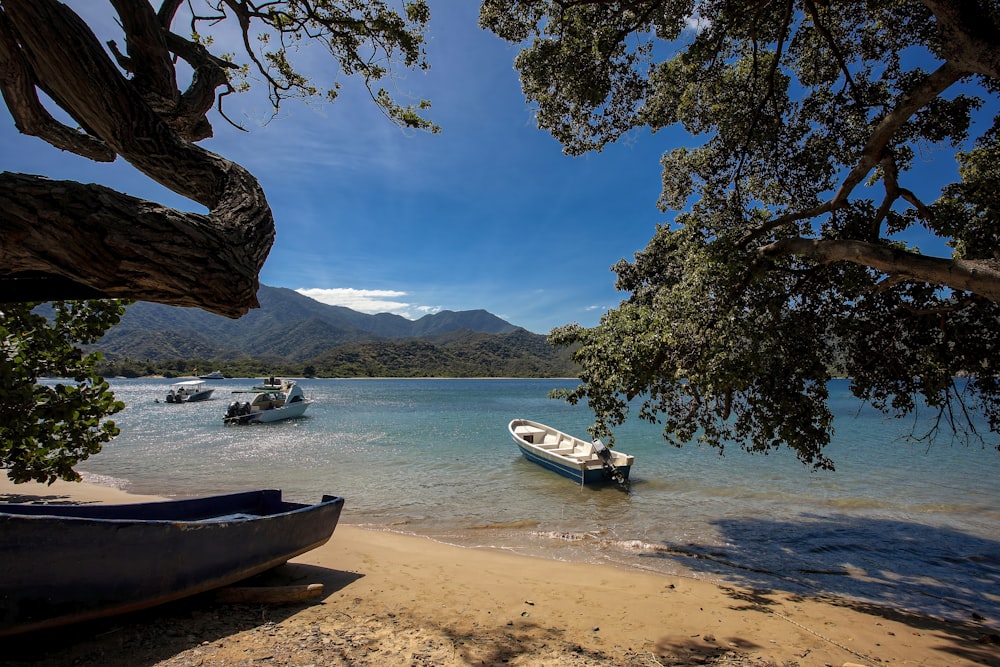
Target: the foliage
(47, 428)
(790, 253)
(365, 38)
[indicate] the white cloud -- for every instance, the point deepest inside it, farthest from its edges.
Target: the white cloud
(368, 301)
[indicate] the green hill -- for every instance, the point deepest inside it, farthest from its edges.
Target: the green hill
(295, 335)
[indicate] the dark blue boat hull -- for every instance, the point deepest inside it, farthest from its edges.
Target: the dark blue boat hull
(61, 564)
(589, 476)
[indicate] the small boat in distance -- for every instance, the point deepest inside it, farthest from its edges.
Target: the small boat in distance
(585, 462)
(68, 563)
(268, 406)
(214, 375)
(188, 391)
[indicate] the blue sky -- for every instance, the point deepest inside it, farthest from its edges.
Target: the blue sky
(487, 214)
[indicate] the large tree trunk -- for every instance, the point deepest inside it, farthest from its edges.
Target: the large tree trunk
(62, 240)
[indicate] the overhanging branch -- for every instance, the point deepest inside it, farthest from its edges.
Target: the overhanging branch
(88, 239)
(977, 276)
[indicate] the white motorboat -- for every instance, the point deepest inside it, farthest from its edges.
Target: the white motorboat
(214, 375)
(585, 462)
(269, 406)
(188, 391)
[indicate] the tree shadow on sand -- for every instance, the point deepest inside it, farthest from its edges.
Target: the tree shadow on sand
(910, 566)
(153, 635)
(911, 572)
(35, 499)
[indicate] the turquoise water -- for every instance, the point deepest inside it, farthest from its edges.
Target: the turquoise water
(898, 523)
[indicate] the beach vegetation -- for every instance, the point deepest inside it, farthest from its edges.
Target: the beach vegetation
(831, 208)
(46, 428)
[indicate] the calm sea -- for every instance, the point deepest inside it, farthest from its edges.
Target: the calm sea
(899, 523)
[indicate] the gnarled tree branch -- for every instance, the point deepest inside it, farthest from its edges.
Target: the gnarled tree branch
(96, 242)
(238, 232)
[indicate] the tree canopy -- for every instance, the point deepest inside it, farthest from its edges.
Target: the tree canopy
(792, 252)
(71, 240)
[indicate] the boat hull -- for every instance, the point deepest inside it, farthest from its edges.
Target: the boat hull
(65, 564)
(189, 391)
(580, 475)
(566, 455)
(199, 396)
(278, 414)
(269, 406)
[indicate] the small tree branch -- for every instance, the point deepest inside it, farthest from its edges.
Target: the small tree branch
(907, 105)
(149, 58)
(874, 150)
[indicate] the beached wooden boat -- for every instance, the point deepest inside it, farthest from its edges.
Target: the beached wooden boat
(585, 462)
(62, 564)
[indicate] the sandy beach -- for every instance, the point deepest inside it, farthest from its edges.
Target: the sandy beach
(395, 599)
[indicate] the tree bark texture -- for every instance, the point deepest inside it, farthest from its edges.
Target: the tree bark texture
(69, 237)
(119, 246)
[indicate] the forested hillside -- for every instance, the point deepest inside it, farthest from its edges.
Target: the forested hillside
(291, 334)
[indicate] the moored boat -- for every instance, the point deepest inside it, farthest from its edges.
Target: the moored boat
(268, 406)
(62, 564)
(586, 462)
(214, 375)
(188, 391)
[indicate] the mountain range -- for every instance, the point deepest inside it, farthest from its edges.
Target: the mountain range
(290, 328)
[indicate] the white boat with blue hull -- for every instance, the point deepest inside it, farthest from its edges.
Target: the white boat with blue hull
(582, 461)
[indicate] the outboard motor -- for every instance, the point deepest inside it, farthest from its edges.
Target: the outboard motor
(610, 470)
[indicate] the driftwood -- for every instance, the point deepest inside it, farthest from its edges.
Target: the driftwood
(63, 239)
(267, 594)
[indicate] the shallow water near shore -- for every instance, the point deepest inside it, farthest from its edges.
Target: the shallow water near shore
(899, 523)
